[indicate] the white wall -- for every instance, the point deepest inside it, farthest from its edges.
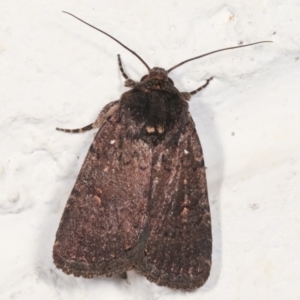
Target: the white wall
(55, 71)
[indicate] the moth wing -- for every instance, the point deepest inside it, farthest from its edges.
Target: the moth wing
(103, 227)
(179, 246)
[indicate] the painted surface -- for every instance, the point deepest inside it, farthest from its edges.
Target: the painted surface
(56, 72)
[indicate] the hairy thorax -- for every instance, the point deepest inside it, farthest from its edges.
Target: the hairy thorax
(153, 107)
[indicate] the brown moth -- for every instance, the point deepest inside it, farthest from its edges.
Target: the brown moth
(140, 200)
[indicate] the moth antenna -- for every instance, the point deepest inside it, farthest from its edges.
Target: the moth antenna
(111, 38)
(180, 64)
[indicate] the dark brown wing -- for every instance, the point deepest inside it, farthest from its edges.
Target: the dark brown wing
(103, 227)
(178, 250)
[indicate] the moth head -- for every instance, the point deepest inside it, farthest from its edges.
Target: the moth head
(157, 73)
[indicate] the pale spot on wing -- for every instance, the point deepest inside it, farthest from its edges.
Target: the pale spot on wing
(160, 129)
(112, 142)
(186, 152)
(184, 211)
(208, 262)
(97, 199)
(150, 129)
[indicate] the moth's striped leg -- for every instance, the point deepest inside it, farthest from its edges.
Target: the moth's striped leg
(187, 96)
(128, 82)
(121, 68)
(78, 130)
(201, 87)
(103, 117)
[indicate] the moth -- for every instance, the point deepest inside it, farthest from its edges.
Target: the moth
(140, 200)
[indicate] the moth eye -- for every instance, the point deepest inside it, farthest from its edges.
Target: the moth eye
(170, 80)
(144, 77)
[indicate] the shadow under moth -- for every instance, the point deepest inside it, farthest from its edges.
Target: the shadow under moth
(140, 200)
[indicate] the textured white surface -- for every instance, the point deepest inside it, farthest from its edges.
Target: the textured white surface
(55, 71)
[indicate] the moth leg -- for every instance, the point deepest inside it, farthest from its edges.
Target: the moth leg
(104, 115)
(121, 68)
(187, 96)
(78, 130)
(128, 82)
(201, 87)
